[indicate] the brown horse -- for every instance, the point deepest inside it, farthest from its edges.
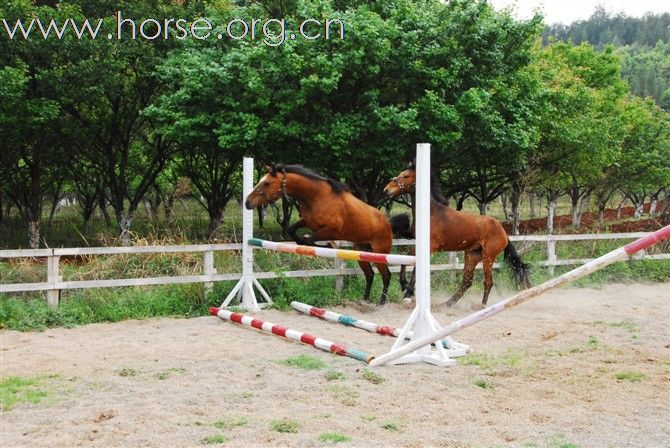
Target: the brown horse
(331, 211)
(482, 238)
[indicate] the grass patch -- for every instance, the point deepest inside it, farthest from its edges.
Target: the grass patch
(333, 437)
(373, 377)
(346, 395)
(304, 362)
(632, 377)
(102, 305)
(165, 374)
(229, 424)
(514, 359)
(483, 383)
(214, 439)
(285, 426)
(127, 372)
(334, 375)
(15, 390)
(391, 426)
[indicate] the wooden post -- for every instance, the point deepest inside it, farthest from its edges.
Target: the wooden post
(208, 268)
(53, 294)
(339, 279)
(551, 255)
(453, 260)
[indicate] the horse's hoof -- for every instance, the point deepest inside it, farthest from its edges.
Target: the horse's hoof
(477, 306)
(408, 302)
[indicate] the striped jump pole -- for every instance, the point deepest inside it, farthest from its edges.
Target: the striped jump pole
(299, 336)
(351, 321)
(314, 251)
(616, 255)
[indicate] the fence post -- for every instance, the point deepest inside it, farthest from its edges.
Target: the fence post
(53, 294)
(453, 260)
(551, 255)
(208, 268)
(339, 264)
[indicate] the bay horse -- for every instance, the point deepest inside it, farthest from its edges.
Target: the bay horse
(481, 238)
(331, 211)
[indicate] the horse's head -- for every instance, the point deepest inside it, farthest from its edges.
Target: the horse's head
(402, 183)
(271, 187)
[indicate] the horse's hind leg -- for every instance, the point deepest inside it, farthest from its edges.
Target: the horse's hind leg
(488, 277)
(471, 258)
(369, 276)
(403, 278)
(366, 267)
(409, 291)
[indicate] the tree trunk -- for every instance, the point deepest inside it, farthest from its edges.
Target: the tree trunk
(639, 208)
(619, 207)
(482, 207)
(125, 221)
(34, 234)
(503, 201)
(461, 200)
(652, 207)
(215, 218)
(515, 199)
(531, 201)
(551, 206)
(168, 206)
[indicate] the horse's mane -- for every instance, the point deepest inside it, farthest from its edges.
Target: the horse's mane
(337, 186)
(435, 187)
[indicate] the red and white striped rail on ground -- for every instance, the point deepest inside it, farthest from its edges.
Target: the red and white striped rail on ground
(351, 321)
(619, 254)
(314, 251)
(299, 336)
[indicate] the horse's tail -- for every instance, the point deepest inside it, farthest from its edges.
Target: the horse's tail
(401, 225)
(520, 270)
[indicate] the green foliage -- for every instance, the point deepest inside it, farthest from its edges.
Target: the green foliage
(104, 305)
(333, 437)
(214, 439)
(304, 362)
(373, 377)
(15, 390)
(285, 425)
(479, 382)
(633, 377)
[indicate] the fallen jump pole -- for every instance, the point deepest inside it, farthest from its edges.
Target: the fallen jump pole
(299, 336)
(351, 321)
(314, 251)
(619, 254)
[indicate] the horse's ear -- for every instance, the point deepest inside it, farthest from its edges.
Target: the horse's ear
(268, 168)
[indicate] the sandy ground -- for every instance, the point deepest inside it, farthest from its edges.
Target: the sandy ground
(542, 375)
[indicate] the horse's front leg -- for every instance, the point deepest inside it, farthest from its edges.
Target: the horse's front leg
(293, 231)
(403, 278)
(321, 234)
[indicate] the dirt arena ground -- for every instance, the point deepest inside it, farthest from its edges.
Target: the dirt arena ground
(574, 368)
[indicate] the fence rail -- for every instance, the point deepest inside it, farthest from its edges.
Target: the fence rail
(55, 284)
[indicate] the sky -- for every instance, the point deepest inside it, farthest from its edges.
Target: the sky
(567, 11)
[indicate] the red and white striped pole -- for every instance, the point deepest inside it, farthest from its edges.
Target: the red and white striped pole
(619, 254)
(305, 338)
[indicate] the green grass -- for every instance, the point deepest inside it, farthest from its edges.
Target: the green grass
(333, 437)
(334, 375)
(15, 390)
(304, 362)
(372, 376)
(483, 383)
(229, 424)
(633, 377)
(391, 426)
(165, 374)
(214, 439)
(285, 426)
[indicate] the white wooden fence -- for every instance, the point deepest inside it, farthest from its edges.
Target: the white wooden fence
(54, 282)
